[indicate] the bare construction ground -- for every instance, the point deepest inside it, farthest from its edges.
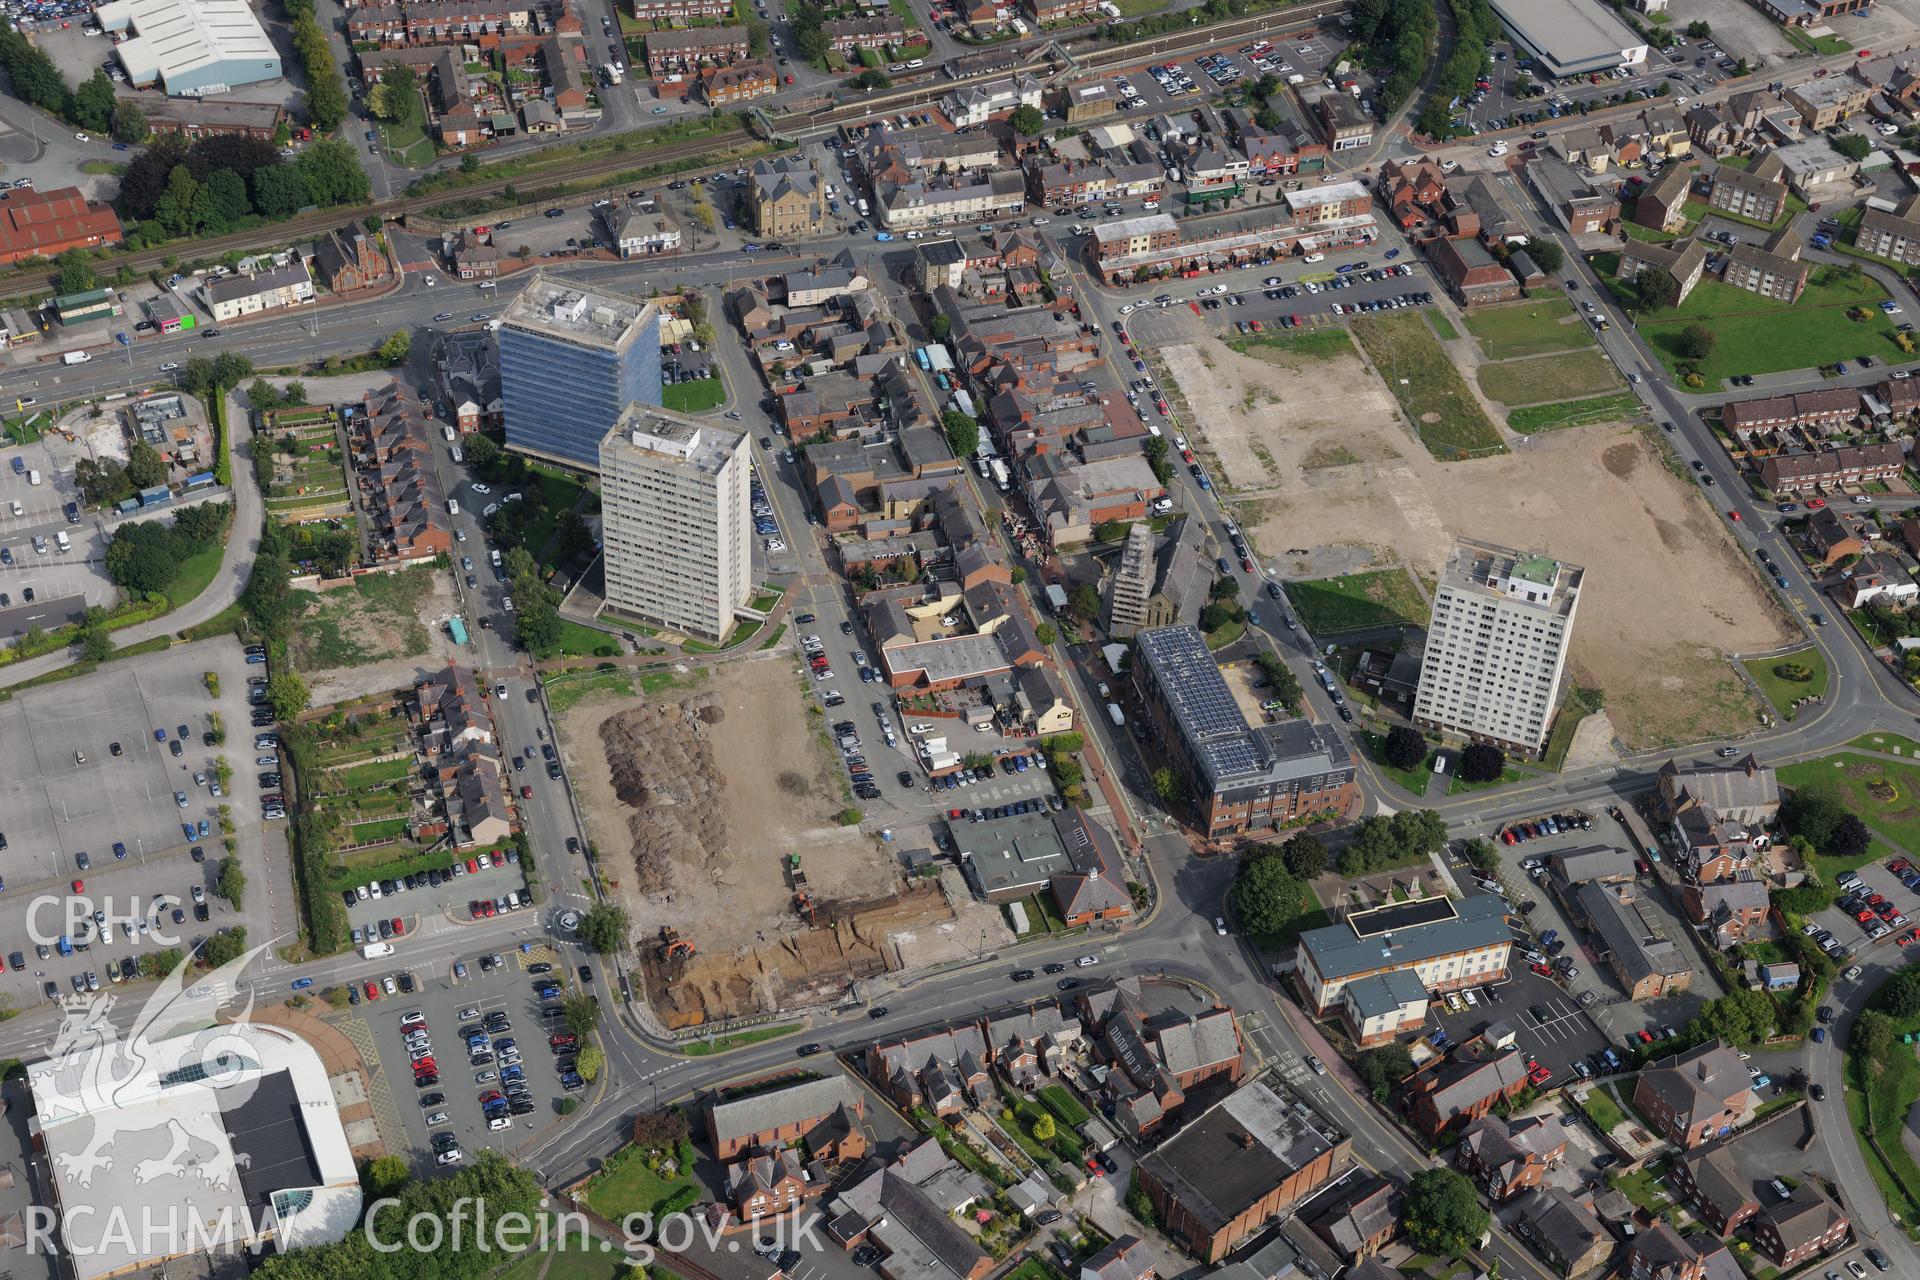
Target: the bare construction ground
(1667, 592)
(695, 798)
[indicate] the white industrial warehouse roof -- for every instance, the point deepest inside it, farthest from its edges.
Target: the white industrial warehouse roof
(178, 36)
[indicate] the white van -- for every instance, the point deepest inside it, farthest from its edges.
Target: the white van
(75, 357)
(453, 506)
(374, 950)
(66, 543)
(33, 476)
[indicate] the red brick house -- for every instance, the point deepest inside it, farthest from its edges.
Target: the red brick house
(1508, 1158)
(779, 1117)
(1714, 1188)
(771, 1182)
(1363, 1220)
(1804, 1225)
(1471, 274)
(1459, 1090)
(1694, 1097)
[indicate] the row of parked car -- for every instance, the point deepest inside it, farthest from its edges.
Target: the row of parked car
(1521, 832)
(1873, 911)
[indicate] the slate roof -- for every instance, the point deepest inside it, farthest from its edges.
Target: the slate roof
(1804, 1216)
(1198, 1042)
(1461, 1084)
(777, 1107)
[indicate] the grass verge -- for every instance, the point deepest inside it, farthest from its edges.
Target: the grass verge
(1781, 691)
(1431, 392)
(737, 1040)
(1358, 601)
(1574, 413)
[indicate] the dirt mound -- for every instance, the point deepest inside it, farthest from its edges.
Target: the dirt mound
(663, 770)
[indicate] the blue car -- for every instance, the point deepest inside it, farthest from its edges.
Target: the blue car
(119, 851)
(187, 827)
(159, 735)
(1819, 1037)
(883, 236)
(301, 984)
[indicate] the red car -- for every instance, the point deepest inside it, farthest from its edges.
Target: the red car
(1640, 865)
(399, 926)
(473, 909)
(956, 813)
(424, 1066)
(1734, 516)
(499, 858)
(1863, 915)
(1507, 835)
(1646, 1037)
(489, 908)
(526, 792)
(1538, 1074)
(373, 990)
(473, 866)
(1905, 939)
(79, 886)
(1878, 899)
(1544, 970)
(1814, 504)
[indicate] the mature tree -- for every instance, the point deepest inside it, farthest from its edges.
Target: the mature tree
(384, 1176)
(1482, 762)
(102, 482)
(963, 432)
(326, 101)
(1873, 1039)
(146, 466)
(1167, 785)
(537, 622)
(1382, 1068)
(73, 273)
(1813, 813)
(224, 946)
(96, 644)
(1281, 682)
(286, 694)
(1045, 633)
(1084, 600)
(1405, 747)
(1155, 449)
(262, 397)
(573, 535)
(174, 209)
(142, 557)
(1852, 146)
(280, 191)
(1027, 121)
(1305, 855)
(1697, 342)
(581, 1012)
(939, 327)
(589, 1062)
(1266, 897)
(1043, 1128)
(93, 103)
(871, 79)
(1850, 838)
(1901, 995)
(1546, 254)
(604, 927)
(1443, 1215)
(129, 121)
(232, 883)
(397, 95)
(230, 368)
(226, 192)
(482, 453)
(396, 348)
(333, 173)
(1654, 291)
(757, 37)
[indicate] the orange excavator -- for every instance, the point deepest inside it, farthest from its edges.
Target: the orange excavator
(674, 947)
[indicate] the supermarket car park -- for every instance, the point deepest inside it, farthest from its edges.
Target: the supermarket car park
(478, 889)
(495, 999)
(92, 810)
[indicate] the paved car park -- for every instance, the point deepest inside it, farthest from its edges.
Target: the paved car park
(73, 811)
(1879, 930)
(489, 988)
(1565, 1036)
(39, 582)
(455, 896)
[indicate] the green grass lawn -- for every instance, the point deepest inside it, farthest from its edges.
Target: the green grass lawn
(1414, 779)
(1602, 1110)
(1893, 744)
(1781, 691)
(1531, 328)
(1758, 335)
(577, 641)
(1329, 343)
(1827, 46)
(194, 575)
(1442, 327)
(376, 774)
(626, 1185)
(1639, 1185)
(1457, 785)
(1855, 779)
(738, 1040)
(348, 627)
(1358, 601)
(1575, 413)
(1568, 376)
(694, 397)
(1063, 1105)
(1883, 1092)
(1430, 390)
